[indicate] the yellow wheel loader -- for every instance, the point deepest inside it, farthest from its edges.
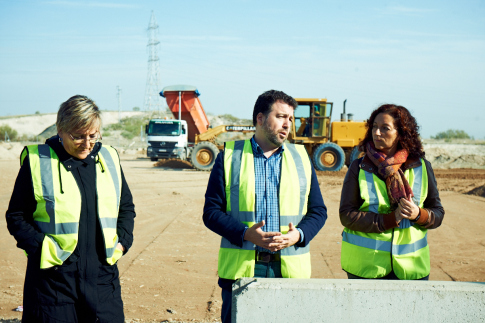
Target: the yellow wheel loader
(331, 145)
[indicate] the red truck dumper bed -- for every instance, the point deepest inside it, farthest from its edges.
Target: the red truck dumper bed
(191, 108)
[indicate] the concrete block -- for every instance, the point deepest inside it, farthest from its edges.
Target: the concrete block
(358, 300)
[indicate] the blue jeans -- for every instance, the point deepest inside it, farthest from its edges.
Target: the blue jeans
(267, 269)
(261, 270)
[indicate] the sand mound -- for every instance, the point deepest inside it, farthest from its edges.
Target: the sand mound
(479, 191)
(49, 132)
(10, 151)
(30, 125)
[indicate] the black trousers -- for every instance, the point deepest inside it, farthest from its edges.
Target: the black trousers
(72, 293)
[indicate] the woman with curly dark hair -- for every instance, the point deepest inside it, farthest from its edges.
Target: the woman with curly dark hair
(389, 200)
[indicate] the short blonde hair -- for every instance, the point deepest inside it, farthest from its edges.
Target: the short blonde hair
(78, 113)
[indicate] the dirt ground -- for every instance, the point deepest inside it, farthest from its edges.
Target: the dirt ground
(170, 273)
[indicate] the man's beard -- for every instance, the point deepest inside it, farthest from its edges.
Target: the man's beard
(272, 136)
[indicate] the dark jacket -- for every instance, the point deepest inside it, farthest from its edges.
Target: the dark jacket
(431, 215)
(86, 269)
(217, 220)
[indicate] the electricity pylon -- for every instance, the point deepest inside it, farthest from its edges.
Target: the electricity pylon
(153, 100)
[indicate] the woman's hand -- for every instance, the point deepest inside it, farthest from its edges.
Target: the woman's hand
(120, 246)
(398, 214)
(408, 209)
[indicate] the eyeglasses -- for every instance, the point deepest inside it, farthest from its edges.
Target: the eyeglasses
(92, 138)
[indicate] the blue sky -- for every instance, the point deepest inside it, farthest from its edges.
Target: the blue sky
(426, 55)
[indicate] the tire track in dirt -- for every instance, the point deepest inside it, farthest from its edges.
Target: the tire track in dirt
(444, 271)
(147, 246)
(328, 266)
(212, 306)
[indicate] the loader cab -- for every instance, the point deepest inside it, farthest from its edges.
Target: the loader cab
(312, 118)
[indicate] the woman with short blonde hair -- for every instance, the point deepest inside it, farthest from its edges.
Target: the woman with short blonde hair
(72, 212)
(79, 112)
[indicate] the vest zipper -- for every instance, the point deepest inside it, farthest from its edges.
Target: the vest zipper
(98, 161)
(390, 253)
(60, 177)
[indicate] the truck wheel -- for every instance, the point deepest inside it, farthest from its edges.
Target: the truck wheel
(204, 155)
(153, 158)
(329, 157)
(356, 154)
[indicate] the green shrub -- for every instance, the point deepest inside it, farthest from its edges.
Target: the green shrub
(452, 134)
(115, 126)
(12, 134)
(24, 137)
(130, 127)
(127, 135)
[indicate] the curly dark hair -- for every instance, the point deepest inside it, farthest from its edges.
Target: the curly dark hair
(406, 126)
(265, 102)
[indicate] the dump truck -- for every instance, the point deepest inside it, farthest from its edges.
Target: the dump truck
(330, 145)
(189, 136)
(174, 137)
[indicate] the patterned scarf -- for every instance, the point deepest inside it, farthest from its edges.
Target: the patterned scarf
(389, 167)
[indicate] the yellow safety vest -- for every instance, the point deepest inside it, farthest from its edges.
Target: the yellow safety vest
(404, 249)
(57, 212)
(235, 261)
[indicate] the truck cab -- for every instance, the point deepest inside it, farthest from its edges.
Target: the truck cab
(166, 138)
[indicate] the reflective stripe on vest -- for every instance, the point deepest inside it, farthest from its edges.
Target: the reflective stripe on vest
(57, 213)
(236, 262)
(108, 190)
(369, 255)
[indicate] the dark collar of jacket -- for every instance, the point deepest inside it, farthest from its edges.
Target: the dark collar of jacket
(367, 165)
(70, 162)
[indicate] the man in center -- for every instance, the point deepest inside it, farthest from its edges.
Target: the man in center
(263, 199)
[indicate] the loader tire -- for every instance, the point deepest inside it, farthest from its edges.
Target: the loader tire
(204, 155)
(329, 157)
(356, 154)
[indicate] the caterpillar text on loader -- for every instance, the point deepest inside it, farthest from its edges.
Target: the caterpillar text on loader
(330, 145)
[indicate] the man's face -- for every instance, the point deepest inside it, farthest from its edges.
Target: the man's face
(276, 126)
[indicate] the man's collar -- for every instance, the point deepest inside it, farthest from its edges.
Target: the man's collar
(258, 151)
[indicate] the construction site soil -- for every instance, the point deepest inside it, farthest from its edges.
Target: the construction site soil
(170, 273)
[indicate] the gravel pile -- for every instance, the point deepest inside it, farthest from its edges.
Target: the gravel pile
(445, 156)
